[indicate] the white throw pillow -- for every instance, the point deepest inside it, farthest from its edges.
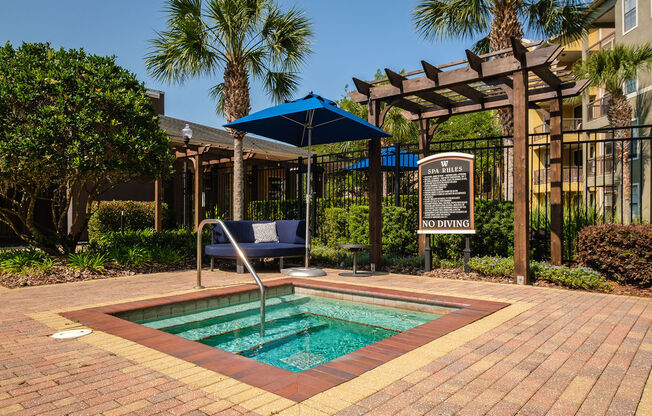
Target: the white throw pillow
(265, 232)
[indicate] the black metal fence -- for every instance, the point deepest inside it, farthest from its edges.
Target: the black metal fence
(594, 165)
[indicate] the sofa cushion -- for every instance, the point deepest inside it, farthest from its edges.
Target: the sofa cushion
(256, 250)
(265, 232)
(240, 230)
(291, 231)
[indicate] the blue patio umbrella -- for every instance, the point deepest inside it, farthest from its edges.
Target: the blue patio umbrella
(408, 161)
(304, 122)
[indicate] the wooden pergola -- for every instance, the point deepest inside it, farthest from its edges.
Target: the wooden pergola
(518, 77)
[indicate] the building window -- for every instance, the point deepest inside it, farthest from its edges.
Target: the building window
(629, 15)
(631, 86)
(635, 202)
(634, 143)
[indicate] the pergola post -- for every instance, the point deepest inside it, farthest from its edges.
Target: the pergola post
(197, 190)
(424, 239)
(556, 181)
(521, 178)
(158, 205)
(375, 190)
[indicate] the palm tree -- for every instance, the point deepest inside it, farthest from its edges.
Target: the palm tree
(496, 21)
(241, 39)
(612, 68)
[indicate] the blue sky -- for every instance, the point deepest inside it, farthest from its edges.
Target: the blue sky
(352, 38)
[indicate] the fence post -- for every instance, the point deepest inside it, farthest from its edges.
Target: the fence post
(556, 181)
(521, 180)
(397, 172)
(300, 186)
(313, 190)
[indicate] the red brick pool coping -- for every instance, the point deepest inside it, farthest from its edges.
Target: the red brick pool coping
(293, 386)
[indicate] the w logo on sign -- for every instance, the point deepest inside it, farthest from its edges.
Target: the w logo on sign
(444, 163)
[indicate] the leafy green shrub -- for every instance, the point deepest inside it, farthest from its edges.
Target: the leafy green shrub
(327, 255)
(131, 256)
(272, 210)
(450, 263)
(620, 252)
(21, 260)
(182, 240)
(398, 236)
(494, 232)
(88, 260)
(165, 255)
(358, 224)
(404, 261)
(574, 278)
(335, 223)
(107, 217)
(44, 266)
(492, 266)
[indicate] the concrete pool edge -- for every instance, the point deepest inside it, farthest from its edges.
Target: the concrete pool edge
(294, 386)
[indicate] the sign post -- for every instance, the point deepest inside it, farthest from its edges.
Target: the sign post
(446, 198)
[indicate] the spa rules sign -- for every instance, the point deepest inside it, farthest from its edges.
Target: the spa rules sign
(446, 194)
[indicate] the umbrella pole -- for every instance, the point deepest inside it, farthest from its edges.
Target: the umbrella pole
(308, 198)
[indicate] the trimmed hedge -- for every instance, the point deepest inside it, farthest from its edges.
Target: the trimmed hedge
(182, 240)
(620, 252)
(138, 215)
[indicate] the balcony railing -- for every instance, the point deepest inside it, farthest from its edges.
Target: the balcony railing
(598, 108)
(601, 166)
(571, 174)
(568, 124)
(606, 42)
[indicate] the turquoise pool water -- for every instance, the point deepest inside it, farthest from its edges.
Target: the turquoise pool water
(301, 331)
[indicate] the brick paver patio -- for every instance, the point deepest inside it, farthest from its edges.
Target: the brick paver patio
(555, 352)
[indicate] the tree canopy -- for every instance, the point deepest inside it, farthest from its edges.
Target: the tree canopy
(72, 126)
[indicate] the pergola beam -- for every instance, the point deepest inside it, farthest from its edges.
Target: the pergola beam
(547, 76)
(490, 70)
(569, 89)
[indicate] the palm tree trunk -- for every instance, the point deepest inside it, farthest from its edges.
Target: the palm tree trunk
(236, 105)
(620, 115)
(505, 25)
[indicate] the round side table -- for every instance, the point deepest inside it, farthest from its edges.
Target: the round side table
(355, 249)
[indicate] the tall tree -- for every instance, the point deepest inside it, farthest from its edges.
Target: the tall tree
(612, 68)
(242, 39)
(495, 22)
(72, 126)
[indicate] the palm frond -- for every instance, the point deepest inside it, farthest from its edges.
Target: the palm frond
(287, 36)
(182, 51)
(482, 46)
(217, 93)
(613, 67)
(565, 20)
(280, 85)
(441, 19)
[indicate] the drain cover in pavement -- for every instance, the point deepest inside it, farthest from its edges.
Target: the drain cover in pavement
(71, 333)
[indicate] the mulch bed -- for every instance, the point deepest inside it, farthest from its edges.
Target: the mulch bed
(65, 274)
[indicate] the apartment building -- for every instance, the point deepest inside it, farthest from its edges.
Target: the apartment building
(592, 167)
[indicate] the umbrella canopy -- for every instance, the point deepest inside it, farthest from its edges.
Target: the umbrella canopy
(288, 123)
(408, 161)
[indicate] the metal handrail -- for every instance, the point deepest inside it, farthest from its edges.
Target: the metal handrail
(244, 260)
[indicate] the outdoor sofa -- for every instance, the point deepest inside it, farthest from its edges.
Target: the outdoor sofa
(291, 241)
